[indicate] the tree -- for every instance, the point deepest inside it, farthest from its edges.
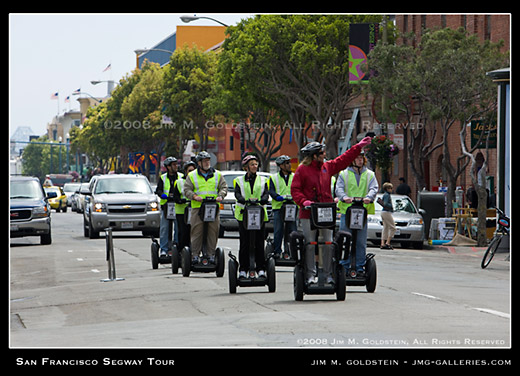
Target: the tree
(297, 64)
(451, 69)
(396, 79)
(188, 81)
(141, 114)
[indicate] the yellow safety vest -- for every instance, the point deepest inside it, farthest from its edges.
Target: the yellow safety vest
(204, 188)
(355, 190)
(166, 186)
(281, 188)
(258, 188)
(179, 184)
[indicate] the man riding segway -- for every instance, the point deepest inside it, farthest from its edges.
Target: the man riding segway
(284, 221)
(161, 251)
(203, 184)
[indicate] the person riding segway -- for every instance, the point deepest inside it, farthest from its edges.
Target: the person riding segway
(252, 195)
(285, 212)
(357, 181)
(356, 220)
(206, 188)
(168, 220)
(312, 184)
(182, 213)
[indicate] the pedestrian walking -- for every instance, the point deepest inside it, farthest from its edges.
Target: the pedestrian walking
(386, 216)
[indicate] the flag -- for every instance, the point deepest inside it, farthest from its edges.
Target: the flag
(77, 91)
(109, 66)
(54, 95)
(67, 99)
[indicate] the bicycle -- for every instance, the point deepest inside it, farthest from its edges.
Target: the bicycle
(503, 229)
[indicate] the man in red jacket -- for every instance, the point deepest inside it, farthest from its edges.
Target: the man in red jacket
(311, 183)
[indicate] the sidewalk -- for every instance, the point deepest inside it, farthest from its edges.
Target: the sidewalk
(458, 250)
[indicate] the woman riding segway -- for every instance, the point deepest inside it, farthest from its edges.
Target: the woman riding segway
(311, 183)
(252, 195)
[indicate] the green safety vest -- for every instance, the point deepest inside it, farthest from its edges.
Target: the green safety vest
(204, 188)
(355, 190)
(281, 188)
(166, 186)
(179, 184)
(257, 193)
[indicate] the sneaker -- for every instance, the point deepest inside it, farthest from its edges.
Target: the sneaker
(330, 280)
(195, 260)
(261, 274)
(312, 280)
(164, 253)
(242, 274)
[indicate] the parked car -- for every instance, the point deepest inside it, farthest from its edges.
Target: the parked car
(60, 201)
(30, 212)
(228, 221)
(78, 199)
(122, 202)
(408, 221)
(69, 189)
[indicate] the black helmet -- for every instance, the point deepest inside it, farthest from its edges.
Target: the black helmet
(202, 155)
(312, 148)
(282, 159)
(168, 161)
(188, 164)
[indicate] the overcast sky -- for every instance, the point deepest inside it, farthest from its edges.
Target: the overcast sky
(64, 52)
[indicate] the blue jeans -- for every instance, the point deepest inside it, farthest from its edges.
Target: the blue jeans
(361, 245)
(279, 226)
(163, 233)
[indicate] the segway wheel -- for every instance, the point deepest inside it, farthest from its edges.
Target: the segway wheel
(371, 275)
(298, 283)
(271, 275)
(219, 256)
(175, 259)
(186, 262)
(154, 249)
(232, 274)
(341, 285)
(268, 248)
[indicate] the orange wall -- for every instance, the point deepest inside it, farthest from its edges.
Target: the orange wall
(203, 36)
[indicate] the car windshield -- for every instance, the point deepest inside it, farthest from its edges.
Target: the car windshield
(25, 189)
(71, 187)
(400, 204)
(229, 180)
(122, 185)
(52, 189)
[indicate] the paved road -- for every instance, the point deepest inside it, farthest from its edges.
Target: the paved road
(427, 298)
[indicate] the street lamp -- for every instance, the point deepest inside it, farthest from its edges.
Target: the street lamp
(187, 19)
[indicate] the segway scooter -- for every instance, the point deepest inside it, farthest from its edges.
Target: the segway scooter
(253, 222)
(176, 255)
(208, 213)
(323, 216)
(356, 218)
(289, 214)
(155, 248)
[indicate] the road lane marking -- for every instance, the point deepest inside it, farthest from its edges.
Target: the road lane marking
(493, 312)
(426, 296)
(94, 270)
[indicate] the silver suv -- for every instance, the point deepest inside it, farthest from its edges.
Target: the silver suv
(122, 202)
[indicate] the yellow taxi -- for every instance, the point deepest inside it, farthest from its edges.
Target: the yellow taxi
(60, 201)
